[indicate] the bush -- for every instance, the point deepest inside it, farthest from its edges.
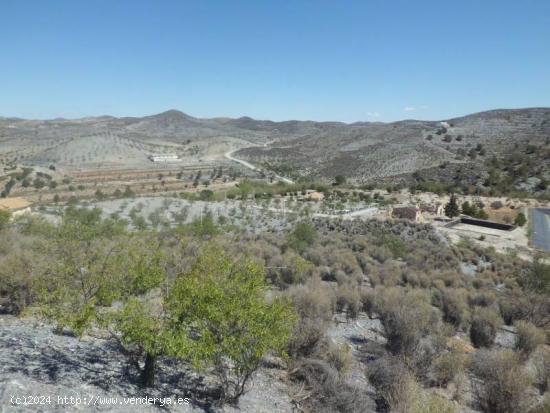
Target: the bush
(4, 218)
(386, 374)
(368, 298)
(543, 406)
(520, 219)
(328, 390)
(502, 381)
(454, 307)
(314, 304)
(451, 208)
(447, 366)
(406, 317)
(399, 391)
(338, 356)
(541, 363)
(528, 338)
(18, 271)
(483, 328)
(510, 309)
(348, 300)
(302, 236)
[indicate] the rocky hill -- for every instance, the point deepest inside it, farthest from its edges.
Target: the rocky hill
(362, 151)
(366, 151)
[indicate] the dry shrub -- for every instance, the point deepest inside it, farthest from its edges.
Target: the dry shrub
(313, 300)
(338, 356)
(447, 366)
(346, 261)
(307, 335)
(18, 272)
(374, 277)
(406, 317)
(541, 363)
(454, 307)
(510, 311)
(482, 299)
(399, 391)
(423, 401)
(450, 278)
(314, 303)
(386, 375)
(411, 278)
(484, 326)
(501, 381)
(289, 269)
(380, 254)
(367, 297)
(328, 390)
(543, 406)
(348, 300)
(528, 337)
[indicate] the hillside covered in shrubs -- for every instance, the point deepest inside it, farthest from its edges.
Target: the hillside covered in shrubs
(449, 328)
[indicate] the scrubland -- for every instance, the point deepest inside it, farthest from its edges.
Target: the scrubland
(353, 315)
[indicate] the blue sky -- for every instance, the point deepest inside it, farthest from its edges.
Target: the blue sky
(322, 60)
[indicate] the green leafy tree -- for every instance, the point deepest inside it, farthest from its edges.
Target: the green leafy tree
(468, 209)
(99, 195)
(520, 219)
(245, 188)
(141, 323)
(96, 267)
(139, 222)
(339, 180)
(206, 195)
(481, 214)
(85, 273)
(128, 193)
(5, 217)
(204, 227)
(451, 209)
(222, 320)
(38, 183)
(142, 333)
(302, 237)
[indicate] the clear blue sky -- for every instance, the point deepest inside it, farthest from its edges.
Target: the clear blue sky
(322, 60)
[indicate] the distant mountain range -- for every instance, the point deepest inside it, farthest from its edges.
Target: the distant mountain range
(362, 151)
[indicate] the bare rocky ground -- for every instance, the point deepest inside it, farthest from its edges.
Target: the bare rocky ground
(36, 362)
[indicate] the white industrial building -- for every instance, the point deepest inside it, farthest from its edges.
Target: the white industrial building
(164, 157)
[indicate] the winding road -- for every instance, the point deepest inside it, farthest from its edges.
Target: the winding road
(229, 155)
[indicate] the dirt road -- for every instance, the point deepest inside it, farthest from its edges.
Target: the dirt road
(229, 155)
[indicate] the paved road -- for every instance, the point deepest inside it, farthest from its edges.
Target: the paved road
(541, 228)
(229, 155)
